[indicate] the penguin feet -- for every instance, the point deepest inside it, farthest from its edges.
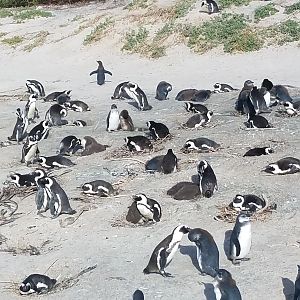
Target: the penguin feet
(165, 274)
(245, 259)
(236, 262)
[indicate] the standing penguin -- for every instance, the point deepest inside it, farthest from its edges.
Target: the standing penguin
(162, 90)
(207, 251)
(169, 162)
(158, 130)
(212, 6)
(42, 196)
(40, 131)
(240, 240)
(30, 150)
(20, 129)
(165, 251)
(126, 123)
(207, 179)
(31, 111)
(35, 87)
(297, 285)
(36, 283)
(241, 105)
(225, 287)
(138, 295)
(100, 73)
(257, 99)
(113, 119)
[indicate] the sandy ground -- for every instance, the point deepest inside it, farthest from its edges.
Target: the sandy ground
(122, 252)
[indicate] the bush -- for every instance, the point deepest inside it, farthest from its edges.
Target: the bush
(265, 11)
(18, 3)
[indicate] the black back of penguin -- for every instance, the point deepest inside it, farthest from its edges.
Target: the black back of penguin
(207, 179)
(169, 162)
(162, 90)
(297, 285)
(158, 130)
(138, 295)
(36, 283)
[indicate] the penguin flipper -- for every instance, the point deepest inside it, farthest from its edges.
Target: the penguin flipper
(163, 260)
(93, 72)
(236, 244)
(108, 72)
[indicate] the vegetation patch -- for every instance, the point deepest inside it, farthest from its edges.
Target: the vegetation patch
(136, 4)
(27, 14)
(13, 41)
(181, 8)
(135, 40)
(292, 8)
(5, 13)
(264, 12)
(39, 40)
(228, 3)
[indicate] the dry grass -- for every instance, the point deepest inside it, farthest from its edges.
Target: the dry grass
(38, 41)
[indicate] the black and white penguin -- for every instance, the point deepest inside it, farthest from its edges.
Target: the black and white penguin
(138, 295)
(69, 145)
(42, 196)
(126, 123)
(54, 95)
(100, 188)
(200, 145)
(40, 131)
(77, 105)
(259, 151)
(225, 287)
(165, 251)
(286, 165)
(138, 143)
(292, 108)
(31, 111)
(119, 92)
(249, 203)
(207, 251)
(169, 163)
(63, 98)
(79, 123)
(223, 88)
(59, 201)
(201, 95)
(198, 120)
(162, 90)
(36, 283)
(184, 191)
(186, 95)
(113, 119)
(207, 179)
(154, 164)
(20, 129)
(257, 98)
(100, 73)
(30, 150)
(281, 93)
(136, 93)
(91, 146)
(158, 130)
(241, 105)
(26, 180)
(35, 87)
(255, 121)
(55, 161)
(55, 115)
(240, 239)
(212, 6)
(297, 285)
(196, 108)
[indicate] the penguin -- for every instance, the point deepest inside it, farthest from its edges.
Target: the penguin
(113, 119)
(100, 73)
(30, 150)
(249, 203)
(198, 120)
(212, 6)
(154, 164)
(241, 105)
(225, 287)
(27, 180)
(223, 88)
(165, 251)
(35, 87)
(126, 123)
(91, 146)
(149, 209)
(36, 283)
(119, 92)
(69, 145)
(77, 105)
(240, 239)
(292, 108)
(162, 90)
(55, 114)
(138, 143)
(169, 163)
(136, 93)
(267, 97)
(259, 151)
(20, 129)
(255, 121)
(184, 191)
(42, 196)
(158, 130)
(207, 179)
(207, 251)
(63, 98)
(186, 95)
(281, 93)
(98, 187)
(297, 285)
(40, 131)
(54, 95)
(266, 83)
(59, 201)
(286, 165)
(196, 108)
(79, 123)
(257, 99)
(201, 95)
(200, 145)
(138, 295)
(50, 162)
(31, 111)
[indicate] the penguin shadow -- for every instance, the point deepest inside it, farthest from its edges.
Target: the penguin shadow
(209, 291)
(191, 251)
(226, 244)
(288, 288)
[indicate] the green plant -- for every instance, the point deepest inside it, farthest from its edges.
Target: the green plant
(291, 31)
(156, 51)
(165, 31)
(135, 39)
(291, 8)
(4, 13)
(265, 11)
(182, 7)
(13, 41)
(31, 14)
(135, 4)
(228, 3)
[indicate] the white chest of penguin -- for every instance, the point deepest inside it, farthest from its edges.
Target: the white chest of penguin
(245, 240)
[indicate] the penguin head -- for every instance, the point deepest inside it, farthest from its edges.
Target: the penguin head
(113, 106)
(127, 140)
(140, 197)
(38, 174)
(33, 97)
(269, 150)
(270, 168)
(288, 104)
(203, 3)
(131, 86)
(188, 106)
(238, 202)
(183, 229)
(267, 84)
(243, 218)
(149, 124)
(170, 151)
(41, 160)
(124, 114)
(15, 178)
(19, 113)
(45, 181)
(46, 124)
(217, 86)
(31, 140)
(209, 114)
(189, 145)
(248, 84)
(203, 164)
(223, 275)
(99, 62)
(63, 112)
(87, 187)
(25, 288)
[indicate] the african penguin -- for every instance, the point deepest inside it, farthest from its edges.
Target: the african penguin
(54, 95)
(200, 145)
(77, 105)
(259, 151)
(26, 180)
(113, 119)
(201, 95)
(31, 111)
(207, 179)
(42, 196)
(225, 287)
(100, 73)
(100, 188)
(196, 108)
(30, 150)
(186, 95)
(184, 191)
(255, 121)
(55, 115)
(212, 6)
(249, 203)
(36, 283)
(158, 130)
(169, 163)
(165, 251)
(20, 129)
(138, 295)
(138, 143)
(297, 285)
(40, 131)
(79, 123)
(241, 105)
(126, 123)
(292, 108)
(281, 93)
(69, 145)
(198, 120)
(58, 161)
(35, 87)
(119, 92)
(207, 251)
(240, 239)
(223, 88)
(91, 146)
(257, 99)
(154, 164)
(286, 165)
(162, 90)
(63, 98)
